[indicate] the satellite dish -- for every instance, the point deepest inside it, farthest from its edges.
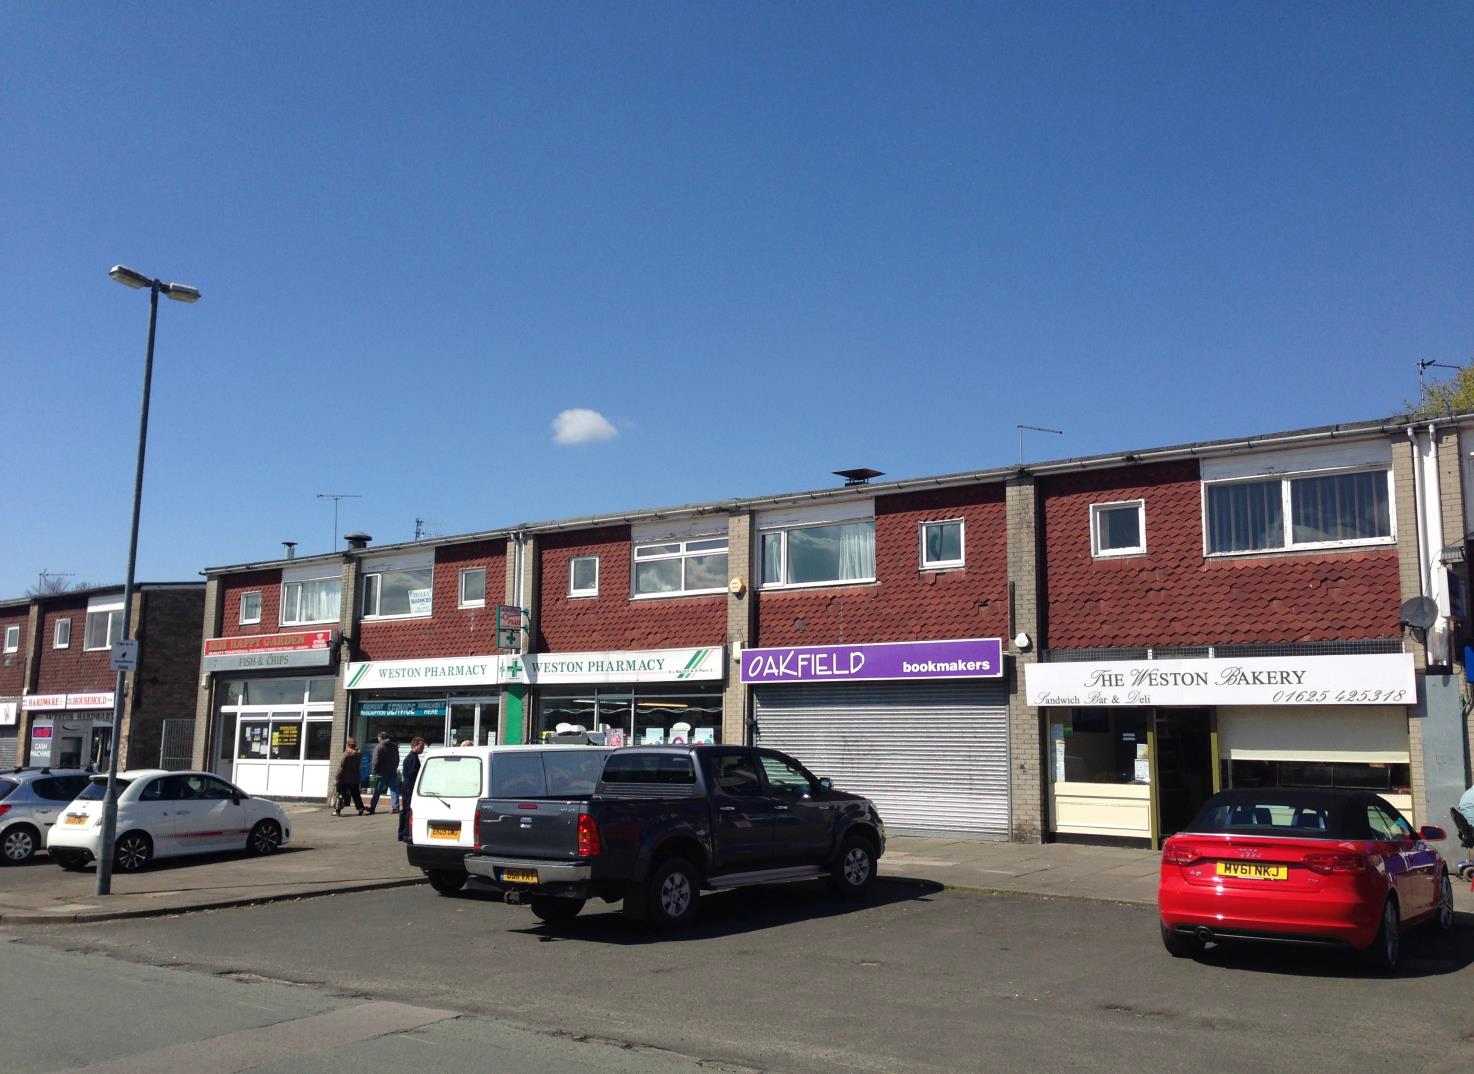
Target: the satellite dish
(1420, 612)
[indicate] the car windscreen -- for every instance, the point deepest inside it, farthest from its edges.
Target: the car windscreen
(7, 787)
(96, 790)
(450, 777)
(1280, 813)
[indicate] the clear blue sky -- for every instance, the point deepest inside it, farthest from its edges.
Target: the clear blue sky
(763, 241)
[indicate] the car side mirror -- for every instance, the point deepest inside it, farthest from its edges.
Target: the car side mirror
(1431, 833)
(236, 797)
(826, 785)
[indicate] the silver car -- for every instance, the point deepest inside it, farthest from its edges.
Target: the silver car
(30, 801)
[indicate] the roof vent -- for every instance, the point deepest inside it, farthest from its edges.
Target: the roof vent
(861, 476)
(290, 548)
(357, 540)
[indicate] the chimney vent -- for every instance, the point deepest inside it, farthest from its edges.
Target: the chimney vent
(357, 540)
(859, 476)
(290, 548)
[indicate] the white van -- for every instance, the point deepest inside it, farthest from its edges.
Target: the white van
(452, 779)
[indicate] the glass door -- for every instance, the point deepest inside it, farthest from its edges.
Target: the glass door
(463, 723)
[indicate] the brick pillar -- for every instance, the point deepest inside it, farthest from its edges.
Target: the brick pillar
(1452, 491)
(347, 650)
(205, 744)
(28, 682)
(1025, 751)
(741, 622)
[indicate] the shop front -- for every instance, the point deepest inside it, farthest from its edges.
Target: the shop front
(920, 728)
(447, 701)
(70, 730)
(1136, 746)
(272, 725)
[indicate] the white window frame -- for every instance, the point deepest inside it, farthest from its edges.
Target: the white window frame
(943, 564)
(244, 621)
(1287, 521)
(461, 600)
(684, 553)
(294, 606)
(61, 639)
(574, 591)
(108, 607)
(1097, 509)
(373, 583)
(783, 533)
(12, 638)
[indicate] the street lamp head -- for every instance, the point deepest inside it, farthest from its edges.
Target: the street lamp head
(128, 277)
(182, 292)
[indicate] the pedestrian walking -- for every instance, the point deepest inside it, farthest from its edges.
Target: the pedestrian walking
(348, 777)
(407, 784)
(385, 768)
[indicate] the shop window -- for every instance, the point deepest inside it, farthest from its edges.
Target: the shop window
(1118, 529)
(675, 567)
(1100, 745)
(473, 587)
(819, 555)
(286, 740)
(583, 576)
(320, 690)
(399, 594)
(1313, 511)
(61, 634)
(319, 740)
(1383, 777)
(653, 717)
(312, 600)
(250, 607)
(12, 639)
(941, 544)
(104, 626)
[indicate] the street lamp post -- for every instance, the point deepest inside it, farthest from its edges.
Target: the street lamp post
(180, 293)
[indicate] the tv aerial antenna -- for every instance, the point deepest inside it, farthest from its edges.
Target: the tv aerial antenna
(1425, 364)
(1032, 428)
(337, 498)
(426, 527)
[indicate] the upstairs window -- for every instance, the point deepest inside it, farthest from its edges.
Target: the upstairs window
(941, 544)
(251, 607)
(819, 555)
(583, 576)
(473, 587)
(61, 634)
(12, 639)
(1313, 511)
(311, 600)
(698, 565)
(399, 593)
(1118, 529)
(104, 626)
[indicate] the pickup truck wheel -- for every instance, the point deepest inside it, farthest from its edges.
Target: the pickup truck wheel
(554, 911)
(671, 893)
(854, 868)
(446, 881)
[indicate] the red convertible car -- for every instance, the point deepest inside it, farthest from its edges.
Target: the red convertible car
(1331, 867)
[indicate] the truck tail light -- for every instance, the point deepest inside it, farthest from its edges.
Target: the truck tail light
(589, 844)
(1179, 854)
(1336, 863)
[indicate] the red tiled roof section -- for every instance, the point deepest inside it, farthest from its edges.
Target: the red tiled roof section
(1174, 595)
(907, 603)
(611, 620)
(450, 630)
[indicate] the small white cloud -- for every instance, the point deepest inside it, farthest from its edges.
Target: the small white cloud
(580, 426)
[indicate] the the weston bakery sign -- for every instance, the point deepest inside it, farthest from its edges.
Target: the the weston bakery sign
(968, 658)
(1374, 679)
(254, 652)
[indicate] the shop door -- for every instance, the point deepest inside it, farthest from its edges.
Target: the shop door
(1184, 766)
(464, 724)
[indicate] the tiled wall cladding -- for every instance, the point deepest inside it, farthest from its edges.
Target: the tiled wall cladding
(13, 665)
(1173, 595)
(451, 630)
(72, 669)
(612, 620)
(268, 583)
(908, 603)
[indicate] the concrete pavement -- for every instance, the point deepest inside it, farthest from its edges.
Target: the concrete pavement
(328, 855)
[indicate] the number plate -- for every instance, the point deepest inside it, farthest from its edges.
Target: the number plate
(73, 818)
(519, 876)
(1252, 870)
(444, 831)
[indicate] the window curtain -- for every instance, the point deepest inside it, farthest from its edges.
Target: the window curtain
(1245, 517)
(1340, 507)
(857, 551)
(320, 600)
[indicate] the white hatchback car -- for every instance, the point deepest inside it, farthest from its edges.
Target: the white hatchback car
(163, 814)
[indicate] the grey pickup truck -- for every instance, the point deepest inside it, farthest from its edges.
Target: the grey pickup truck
(666, 822)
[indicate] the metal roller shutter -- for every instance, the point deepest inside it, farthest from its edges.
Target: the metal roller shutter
(8, 750)
(933, 757)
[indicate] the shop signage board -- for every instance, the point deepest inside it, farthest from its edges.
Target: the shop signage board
(41, 743)
(124, 655)
(964, 658)
(1370, 679)
(8, 713)
(253, 652)
(65, 702)
(649, 665)
(403, 709)
(410, 674)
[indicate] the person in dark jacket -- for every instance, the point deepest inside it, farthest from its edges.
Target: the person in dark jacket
(407, 784)
(348, 769)
(386, 773)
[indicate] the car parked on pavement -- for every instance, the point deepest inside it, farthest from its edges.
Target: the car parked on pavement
(30, 801)
(164, 814)
(1332, 867)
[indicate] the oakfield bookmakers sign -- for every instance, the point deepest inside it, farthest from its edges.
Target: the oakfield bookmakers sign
(967, 658)
(651, 665)
(1371, 679)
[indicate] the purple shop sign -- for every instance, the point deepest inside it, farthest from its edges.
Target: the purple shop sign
(969, 658)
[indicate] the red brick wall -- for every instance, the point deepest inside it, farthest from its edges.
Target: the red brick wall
(450, 630)
(73, 669)
(907, 604)
(268, 583)
(13, 665)
(612, 620)
(1173, 595)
